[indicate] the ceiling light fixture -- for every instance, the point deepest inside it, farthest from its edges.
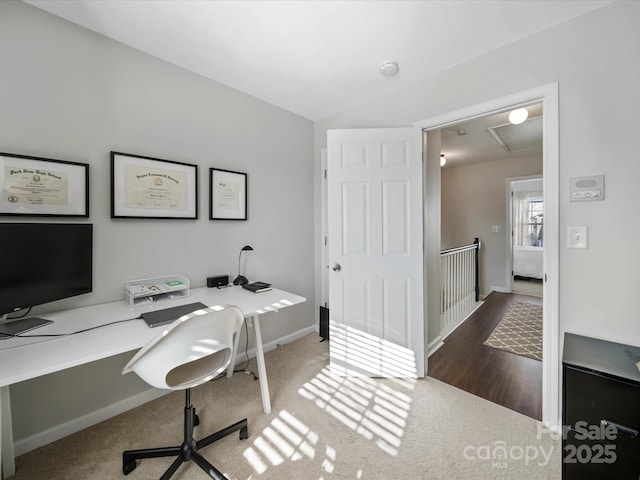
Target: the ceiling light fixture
(518, 115)
(388, 69)
(443, 160)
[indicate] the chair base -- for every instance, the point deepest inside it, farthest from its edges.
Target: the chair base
(189, 448)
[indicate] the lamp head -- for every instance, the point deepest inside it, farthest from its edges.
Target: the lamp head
(241, 279)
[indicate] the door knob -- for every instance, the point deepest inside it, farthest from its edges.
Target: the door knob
(336, 267)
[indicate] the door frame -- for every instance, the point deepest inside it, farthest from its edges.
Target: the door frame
(548, 95)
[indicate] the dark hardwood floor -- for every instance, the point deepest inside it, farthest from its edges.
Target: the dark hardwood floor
(507, 379)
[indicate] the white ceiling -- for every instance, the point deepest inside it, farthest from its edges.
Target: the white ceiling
(471, 141)
(316, 58)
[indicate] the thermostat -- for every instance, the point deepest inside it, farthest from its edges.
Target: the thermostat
(582, 189)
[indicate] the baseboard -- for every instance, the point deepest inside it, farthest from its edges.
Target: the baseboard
(464, 319)
(292, 337)
(24, 445)
(434, 345)
(493, 288)
(45, 437)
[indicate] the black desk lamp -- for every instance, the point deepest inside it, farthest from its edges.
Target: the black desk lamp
(240, 280)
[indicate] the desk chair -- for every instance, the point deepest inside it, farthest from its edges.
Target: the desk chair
(191, 351)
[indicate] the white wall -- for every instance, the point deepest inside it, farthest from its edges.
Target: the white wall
(594, 60)
(68, 93)
(533, 185)
(432, 237)
(474, 198)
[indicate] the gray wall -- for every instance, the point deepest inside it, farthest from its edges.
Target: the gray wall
(474, 198)
(68, 93)
(594, 60)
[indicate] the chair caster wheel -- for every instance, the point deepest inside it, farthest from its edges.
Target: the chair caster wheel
(128, 467)
(244, 433)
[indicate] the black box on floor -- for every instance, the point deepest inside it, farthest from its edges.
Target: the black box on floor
(324, 323)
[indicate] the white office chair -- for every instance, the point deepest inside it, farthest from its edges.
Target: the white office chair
(191, 351)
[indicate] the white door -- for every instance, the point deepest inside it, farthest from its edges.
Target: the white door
(375, 219)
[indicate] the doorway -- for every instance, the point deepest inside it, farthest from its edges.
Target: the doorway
(493, 176)
(526, 235)
(547, 95)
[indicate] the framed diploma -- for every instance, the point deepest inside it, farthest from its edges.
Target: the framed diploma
(145, 187)
(43, 186)
(227, 195)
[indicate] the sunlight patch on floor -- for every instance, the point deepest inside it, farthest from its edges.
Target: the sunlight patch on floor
(357, 353)
(368, 406)
(286, 438)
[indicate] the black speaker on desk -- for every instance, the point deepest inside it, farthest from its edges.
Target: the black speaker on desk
(324, 323)
(219, 281)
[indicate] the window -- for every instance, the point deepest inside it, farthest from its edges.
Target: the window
(528, 212)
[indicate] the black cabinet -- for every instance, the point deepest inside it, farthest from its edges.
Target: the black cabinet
(600, 410)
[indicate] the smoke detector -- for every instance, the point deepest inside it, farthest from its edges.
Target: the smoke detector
(388, 69)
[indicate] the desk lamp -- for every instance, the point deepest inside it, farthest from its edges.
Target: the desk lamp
(241, 280)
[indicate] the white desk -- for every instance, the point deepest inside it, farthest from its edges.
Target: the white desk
(25, 358)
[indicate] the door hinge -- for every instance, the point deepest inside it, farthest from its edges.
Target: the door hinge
(325, 241)
(325, 173)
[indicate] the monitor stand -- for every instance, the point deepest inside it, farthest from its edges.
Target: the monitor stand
(16, 326)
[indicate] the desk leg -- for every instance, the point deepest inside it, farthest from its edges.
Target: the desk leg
(262, 370)
(234, 354)
(6, 435)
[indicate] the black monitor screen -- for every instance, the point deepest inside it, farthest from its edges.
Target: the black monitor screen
(43, 262)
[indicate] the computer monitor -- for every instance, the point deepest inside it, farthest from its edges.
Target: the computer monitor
(41, 263)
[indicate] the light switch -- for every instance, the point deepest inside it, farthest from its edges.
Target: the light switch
(577, 237)
(495, 228)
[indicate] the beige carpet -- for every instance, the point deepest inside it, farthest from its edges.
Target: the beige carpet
(322, 427)
(519, 331)
(527, 287)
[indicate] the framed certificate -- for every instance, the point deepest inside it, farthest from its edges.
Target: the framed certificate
(146, 187)
(227, 195)
(43, 187)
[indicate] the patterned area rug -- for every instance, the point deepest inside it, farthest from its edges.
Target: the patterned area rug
(519, 331)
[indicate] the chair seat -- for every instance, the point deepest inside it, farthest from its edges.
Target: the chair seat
(191, 351)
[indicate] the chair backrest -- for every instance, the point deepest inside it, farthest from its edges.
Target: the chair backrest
(192, 350)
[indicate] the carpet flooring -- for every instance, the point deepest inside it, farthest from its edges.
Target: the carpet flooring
(528, 287)
(322, 427)
(519, 331)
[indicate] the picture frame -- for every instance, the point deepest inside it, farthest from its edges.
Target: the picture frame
(227, 195)
(148, 187)
(43, 187)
